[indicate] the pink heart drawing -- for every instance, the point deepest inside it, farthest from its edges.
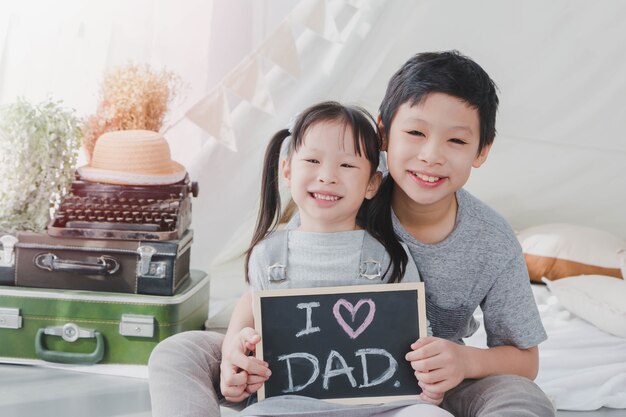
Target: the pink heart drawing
(353, 310)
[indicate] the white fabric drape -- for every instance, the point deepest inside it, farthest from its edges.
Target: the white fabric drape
(559, 155)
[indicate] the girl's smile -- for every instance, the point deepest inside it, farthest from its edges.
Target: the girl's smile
(324, 199)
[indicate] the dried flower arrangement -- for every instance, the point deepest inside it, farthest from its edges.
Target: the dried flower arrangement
(38, 153)
(132, 97)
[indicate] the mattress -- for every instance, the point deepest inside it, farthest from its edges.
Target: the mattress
(580, 366)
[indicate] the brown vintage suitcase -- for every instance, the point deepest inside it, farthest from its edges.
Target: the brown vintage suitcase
(140, 267)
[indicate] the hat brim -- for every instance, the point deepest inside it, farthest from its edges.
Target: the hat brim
(175, 174)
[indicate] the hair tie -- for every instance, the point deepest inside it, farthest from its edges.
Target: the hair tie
(284, 148)
(292, 123)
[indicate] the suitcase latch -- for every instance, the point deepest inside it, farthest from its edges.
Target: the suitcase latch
(137, 325)
(7, 255)
(10, 318)
(148, 269)
(70, 332)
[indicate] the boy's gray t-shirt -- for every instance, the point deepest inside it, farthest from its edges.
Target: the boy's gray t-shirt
(479, 264)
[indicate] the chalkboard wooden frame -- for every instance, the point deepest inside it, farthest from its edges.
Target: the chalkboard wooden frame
(418, 316)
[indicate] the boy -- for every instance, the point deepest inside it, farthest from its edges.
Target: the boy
(438, 122)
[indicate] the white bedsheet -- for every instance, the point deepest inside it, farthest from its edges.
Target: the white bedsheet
(580, 366)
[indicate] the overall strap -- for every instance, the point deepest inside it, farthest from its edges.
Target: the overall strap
(372, 254)
(277, 248)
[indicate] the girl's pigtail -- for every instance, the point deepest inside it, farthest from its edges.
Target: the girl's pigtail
(269, 212)
(380, 225)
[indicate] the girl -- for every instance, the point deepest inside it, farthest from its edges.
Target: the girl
(330, 168)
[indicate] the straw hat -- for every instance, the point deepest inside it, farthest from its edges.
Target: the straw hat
(132, 157)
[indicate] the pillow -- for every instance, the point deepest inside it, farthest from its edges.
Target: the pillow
(595, 298)
(563, 250)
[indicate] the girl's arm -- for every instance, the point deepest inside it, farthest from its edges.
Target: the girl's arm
(241, 374)
(242, 317)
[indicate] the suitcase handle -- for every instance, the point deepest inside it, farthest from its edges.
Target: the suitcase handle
(68, 332)
(106, 265)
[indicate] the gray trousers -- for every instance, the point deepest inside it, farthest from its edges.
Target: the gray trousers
(184, 374)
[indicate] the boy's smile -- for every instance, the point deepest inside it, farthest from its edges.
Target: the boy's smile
(431, 148)
(427, 180)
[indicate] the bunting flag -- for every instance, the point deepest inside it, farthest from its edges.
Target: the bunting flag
(315, 15)
(212, 115)
(248, 82)
(280, 48)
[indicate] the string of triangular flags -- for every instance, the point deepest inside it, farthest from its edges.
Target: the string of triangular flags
(247, 79)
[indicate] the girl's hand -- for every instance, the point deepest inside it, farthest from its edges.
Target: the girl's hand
(438, 365)
(241, 374)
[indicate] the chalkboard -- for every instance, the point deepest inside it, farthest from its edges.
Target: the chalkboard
(341, 344)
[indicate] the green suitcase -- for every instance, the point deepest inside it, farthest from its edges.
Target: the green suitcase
(85, 327)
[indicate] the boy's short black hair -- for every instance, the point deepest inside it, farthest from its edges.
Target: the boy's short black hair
(447, 72)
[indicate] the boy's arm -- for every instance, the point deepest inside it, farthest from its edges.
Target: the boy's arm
(440, 364)
(241, 374)
(501, 360)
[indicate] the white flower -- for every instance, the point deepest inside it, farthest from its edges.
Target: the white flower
(38, 154)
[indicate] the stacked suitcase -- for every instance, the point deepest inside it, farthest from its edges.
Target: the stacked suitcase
(108, 280)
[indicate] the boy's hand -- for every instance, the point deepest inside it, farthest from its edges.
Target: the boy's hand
(241, 374)
(431, 397)
(438, 365)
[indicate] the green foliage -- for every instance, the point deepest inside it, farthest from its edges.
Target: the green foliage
(38, 153)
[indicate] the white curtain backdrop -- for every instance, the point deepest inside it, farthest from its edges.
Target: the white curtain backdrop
(560, 152)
